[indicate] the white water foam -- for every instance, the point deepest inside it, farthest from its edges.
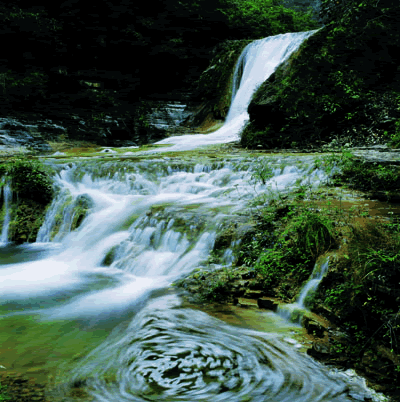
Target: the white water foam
(152, 250)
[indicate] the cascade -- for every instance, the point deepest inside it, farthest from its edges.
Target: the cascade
(318, 273)
(294, 311)
(7, 194)
(257, 62)
(92, 299)
(148, 223)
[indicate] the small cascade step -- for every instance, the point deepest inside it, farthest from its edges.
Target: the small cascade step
(295, 312)
(7, 197)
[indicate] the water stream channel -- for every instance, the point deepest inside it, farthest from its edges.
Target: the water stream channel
(92, 309)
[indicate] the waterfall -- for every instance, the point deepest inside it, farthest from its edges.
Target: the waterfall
(295, 310)
(318, 273)
(7, 194)
(256, 63)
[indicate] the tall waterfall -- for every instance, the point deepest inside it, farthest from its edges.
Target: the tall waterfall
(256, 63)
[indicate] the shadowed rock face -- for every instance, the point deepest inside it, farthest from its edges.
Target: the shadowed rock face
(15, 134)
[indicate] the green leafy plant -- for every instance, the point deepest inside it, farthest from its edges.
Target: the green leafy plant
(306, 235)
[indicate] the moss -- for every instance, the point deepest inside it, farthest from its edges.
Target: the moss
(334, 85)
(27, 218)
(225, 238)
(109, 258)
(30, 179)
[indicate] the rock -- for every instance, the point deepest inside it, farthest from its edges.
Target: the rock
(13, 133)
(313, 327)
(267, 304)
(109, 151)
(246, 303)
(253, 294)
(319, 349)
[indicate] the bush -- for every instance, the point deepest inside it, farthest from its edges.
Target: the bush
(363, 288)
(305, 236)
(262, 18)
(30, 179)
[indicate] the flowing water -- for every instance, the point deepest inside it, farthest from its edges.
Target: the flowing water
(7, 196)
(295, 311)
(89, 307)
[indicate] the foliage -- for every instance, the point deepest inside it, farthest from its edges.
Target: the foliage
(360, 174)
(338, 84)
(302, 236)
(395, 137)
(363, 288)
(30, 179)
(3, 393)
(86, 45)
(266, 17)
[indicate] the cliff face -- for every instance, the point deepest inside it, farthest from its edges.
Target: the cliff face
(212, 94)
(343, 83)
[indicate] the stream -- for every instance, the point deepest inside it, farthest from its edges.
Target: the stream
(90, 309)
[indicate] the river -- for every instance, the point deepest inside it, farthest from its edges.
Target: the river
(92, 309)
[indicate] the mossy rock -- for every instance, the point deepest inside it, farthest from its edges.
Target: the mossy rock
(214, 87)
(82, 207)
(338, 84)
(28, 216)
(109, 258)
(30, 179)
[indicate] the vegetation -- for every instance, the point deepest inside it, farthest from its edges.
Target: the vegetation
(377, 179)
(362, 289)
(261, 18)
(88, 75)
(339, 84)
(30, 179)
(306, 235)
(3, 393)
(32, 184)
(287, 244)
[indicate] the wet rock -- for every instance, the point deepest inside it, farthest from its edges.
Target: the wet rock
(267, 304)
(319, 349)
(13, 133)
(253, 294)
(313, 327)
(247, 303)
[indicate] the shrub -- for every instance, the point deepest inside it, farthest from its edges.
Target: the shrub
(306, 235)
(30, 180)
(363, 288)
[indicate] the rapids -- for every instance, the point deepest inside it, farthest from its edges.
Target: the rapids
(99, 298)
